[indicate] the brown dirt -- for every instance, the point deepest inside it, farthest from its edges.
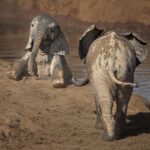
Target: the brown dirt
(35, 116)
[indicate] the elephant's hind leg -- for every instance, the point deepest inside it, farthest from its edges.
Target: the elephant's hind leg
(120, 121)
(98, 124)
(106, 102)
(121, 112)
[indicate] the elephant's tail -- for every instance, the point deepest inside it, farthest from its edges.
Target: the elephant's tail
(79, 82)
(120, 82)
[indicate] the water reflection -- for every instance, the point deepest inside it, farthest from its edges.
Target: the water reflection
(142, 76)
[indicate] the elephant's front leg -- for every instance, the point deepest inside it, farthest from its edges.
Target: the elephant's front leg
(32, 69)
(57, 72)
(106, 103)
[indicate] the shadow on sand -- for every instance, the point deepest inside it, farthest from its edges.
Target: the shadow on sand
(138, 124)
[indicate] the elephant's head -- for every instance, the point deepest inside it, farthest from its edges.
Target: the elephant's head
(91, 34)
(139, 45)
(46, 32)
(45, 28)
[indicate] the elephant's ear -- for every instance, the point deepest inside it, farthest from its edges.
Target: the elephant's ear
(59, 44)
(139, 44)
(91, 34)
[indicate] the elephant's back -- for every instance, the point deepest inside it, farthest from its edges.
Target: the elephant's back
(101, 47)
(109, 50)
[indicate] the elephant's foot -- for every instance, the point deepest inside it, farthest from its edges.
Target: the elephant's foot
(109, 131)
(119, 135)
(120, 124)
(119, 132)
(59, 83)
(99, 124)
(107, 137)
(17, 70)
(58, 77)
(12, 75)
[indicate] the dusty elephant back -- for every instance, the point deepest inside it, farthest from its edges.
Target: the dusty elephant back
(112, 51)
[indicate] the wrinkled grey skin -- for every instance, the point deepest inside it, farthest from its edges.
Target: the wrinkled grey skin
(48, 43)
(111, 59)
(45, 53)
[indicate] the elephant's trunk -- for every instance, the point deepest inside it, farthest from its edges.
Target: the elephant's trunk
(37, 41)
(79, 82)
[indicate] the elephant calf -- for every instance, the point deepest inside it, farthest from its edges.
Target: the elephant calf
(45, 53)
(111, 59)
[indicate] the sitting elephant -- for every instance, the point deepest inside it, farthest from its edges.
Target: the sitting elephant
(45, 53)
(111, 59)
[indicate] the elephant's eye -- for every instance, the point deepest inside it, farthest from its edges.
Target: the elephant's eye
(32, 25)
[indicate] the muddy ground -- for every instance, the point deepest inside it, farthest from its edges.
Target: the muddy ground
(35, 116)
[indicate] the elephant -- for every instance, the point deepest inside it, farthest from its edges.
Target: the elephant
(111, 58)
(45, 54)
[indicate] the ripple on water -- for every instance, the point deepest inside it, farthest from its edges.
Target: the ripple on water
(142, 76)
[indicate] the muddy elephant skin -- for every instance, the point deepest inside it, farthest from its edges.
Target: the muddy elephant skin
(45, 54)
(44, 51)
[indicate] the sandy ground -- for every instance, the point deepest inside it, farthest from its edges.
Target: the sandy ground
(35, 116)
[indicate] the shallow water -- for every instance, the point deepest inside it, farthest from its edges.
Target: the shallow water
(142, 76)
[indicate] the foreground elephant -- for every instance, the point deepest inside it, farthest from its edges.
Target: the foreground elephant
(45, 53)
(111, 59)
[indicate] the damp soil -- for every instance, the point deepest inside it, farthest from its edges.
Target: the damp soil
(35, 116)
